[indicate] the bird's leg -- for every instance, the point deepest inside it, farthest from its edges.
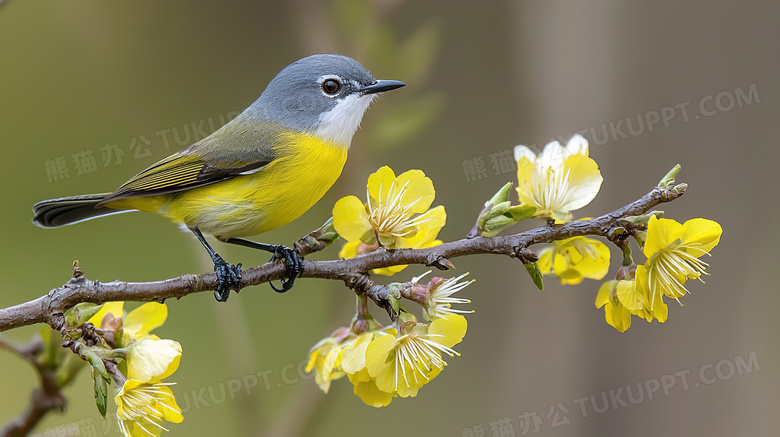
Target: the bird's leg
(292, 261)
(228, 276)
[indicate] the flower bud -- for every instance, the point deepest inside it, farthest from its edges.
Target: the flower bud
(498, 214)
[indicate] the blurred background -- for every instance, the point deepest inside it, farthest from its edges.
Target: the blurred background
(92, 92)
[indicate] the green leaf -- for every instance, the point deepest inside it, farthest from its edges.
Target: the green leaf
(669, 178)
(101, 392)
(521, 212)
(394, 297)
(502, 195)
(81, 313)
(92, 356)
(536, 274)
(508, 216)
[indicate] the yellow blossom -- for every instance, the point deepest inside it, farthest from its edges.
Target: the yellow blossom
(559, 180)
(135, 325)
(673, 251)
(152, 358)
(396, 214)
(401, 365)
(370, 394)
(575, 259)
(144, 401)
(142, 407)
(325, 358)
(620, 300)
(113, 308)
(353, 363)
(142, 320)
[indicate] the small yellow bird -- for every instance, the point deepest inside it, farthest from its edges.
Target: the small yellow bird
(260, 171)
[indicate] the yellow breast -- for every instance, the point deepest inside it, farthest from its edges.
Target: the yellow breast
(305, 169)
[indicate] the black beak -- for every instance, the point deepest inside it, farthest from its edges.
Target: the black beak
(381, 86)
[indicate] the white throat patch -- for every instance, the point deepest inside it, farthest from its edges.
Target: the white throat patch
(340, 123)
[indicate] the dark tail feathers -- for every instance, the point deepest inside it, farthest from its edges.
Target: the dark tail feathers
(54, 213)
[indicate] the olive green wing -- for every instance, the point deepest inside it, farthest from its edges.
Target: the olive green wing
(196, 166)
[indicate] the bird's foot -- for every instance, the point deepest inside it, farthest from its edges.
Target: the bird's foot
(293, 266)
(228, 276)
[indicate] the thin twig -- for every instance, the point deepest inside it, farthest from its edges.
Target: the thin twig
(50, 308)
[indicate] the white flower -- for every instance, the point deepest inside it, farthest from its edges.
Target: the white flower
(440, 300)
(559, 180)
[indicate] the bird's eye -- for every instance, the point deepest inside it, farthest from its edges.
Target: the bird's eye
(331, 86)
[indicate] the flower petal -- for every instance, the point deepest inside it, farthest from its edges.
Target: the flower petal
(390, 271)
(629, 296)
(114, 308)
(383, 178)
(353, 359)
(142, 320)
(377, 353)
(419, 192)
(584, 181)
(661, 233)
(430, 224)
(173, 412)
(545, 262)
(618, 317)
(525, 159)
(350, 249)
(602, 297)
(553, 156)
(524, 152)
(350, 218)
(448, 330)
(370, 394)
(655, 300)
(577, 145)
(702, 234)
(415, 379)
(150, 359)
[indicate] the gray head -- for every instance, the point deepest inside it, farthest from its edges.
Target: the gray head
(323, 95)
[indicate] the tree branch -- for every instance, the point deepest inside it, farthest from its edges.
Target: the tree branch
(44, 399)
(50, 308)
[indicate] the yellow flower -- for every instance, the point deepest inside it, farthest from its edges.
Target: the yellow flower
(135, 325)
(575, 259)
(620, 300)
(152, 358)
(142, 407)
(381, 364)
(370, 394)
(401, 365)
(142, 320)
(144, 401)
(396, 214)
(113, 308)
(673, 250)
(325, 358)
(353, 363)
(355, 248)
(559, 180)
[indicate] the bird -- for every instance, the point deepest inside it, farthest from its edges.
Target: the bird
(258, 172)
